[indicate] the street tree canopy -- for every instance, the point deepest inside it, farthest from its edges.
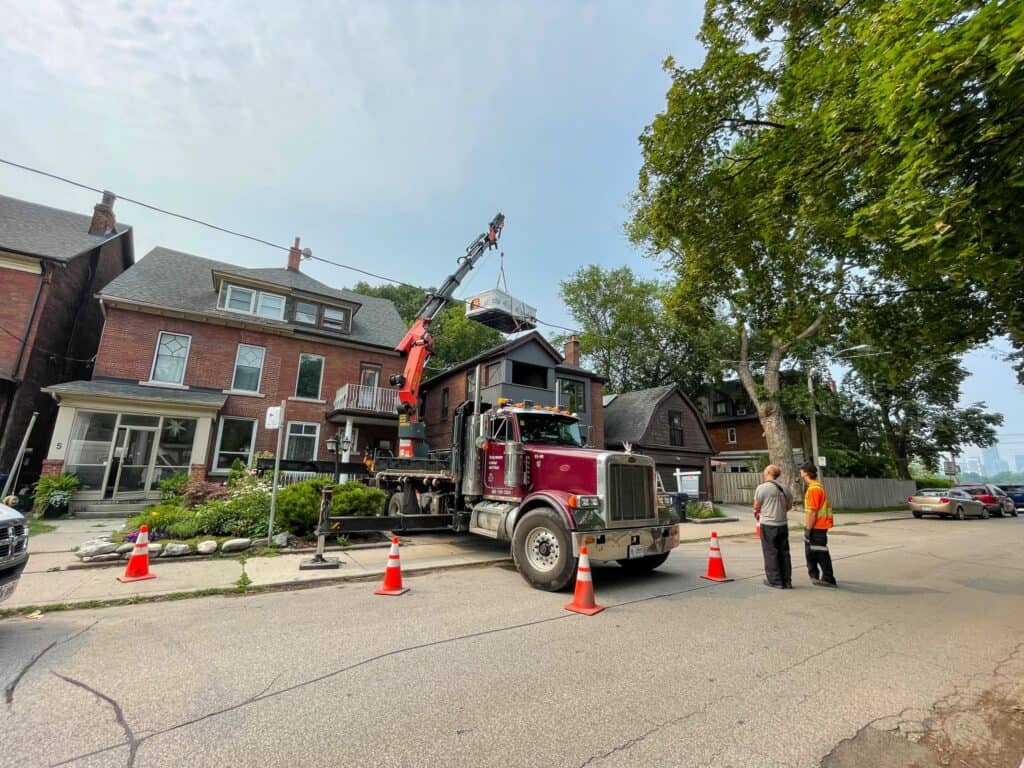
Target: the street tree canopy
(628, 336)
(822, 147)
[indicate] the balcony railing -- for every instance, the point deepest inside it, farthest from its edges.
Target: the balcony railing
(355, 397)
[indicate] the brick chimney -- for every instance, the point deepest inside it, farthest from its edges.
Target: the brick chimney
(572, 351)
(294, 256)
(103, 221)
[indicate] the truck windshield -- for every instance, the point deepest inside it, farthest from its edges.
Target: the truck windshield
(545, 428)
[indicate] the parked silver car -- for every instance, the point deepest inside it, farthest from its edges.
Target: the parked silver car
(946, 502)
(13, 549)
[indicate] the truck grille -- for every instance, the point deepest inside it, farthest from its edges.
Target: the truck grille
(630, 493)
(12, 541)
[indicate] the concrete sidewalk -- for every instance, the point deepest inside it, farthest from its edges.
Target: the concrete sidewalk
(745, 525)
(48, 579)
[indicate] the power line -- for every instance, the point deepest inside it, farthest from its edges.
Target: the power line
(46, 351)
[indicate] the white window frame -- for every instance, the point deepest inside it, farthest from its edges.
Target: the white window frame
(316, 312)
(259, 303)
(156, 355)
(320, 384)
(346, 327)
(316, 438)
(234, 371)
(220, 432)
(723, 411)
(730, 435)
(229, 287)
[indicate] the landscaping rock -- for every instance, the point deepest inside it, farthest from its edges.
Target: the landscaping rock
(109, 556)
(95, 547)
(176, 550)
(154, 549)
(126, 547)
(206, 547)
(261, 542)
(235, 545)
(281, 539)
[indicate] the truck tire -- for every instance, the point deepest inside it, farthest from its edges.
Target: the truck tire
(644, 564)
(542, 550)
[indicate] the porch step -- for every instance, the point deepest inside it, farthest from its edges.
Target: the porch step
(99, 509)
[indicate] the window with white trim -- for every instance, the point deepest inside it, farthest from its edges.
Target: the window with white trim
(248, 368)
(730, 435)
(235, 440)
(305, 312)
(301, 441)
(311, 374)
(249, 301)
(171, 357)
(337, 319)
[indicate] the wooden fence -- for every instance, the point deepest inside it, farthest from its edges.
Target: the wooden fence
(843, 492)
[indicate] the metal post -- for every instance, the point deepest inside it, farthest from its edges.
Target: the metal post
(814, 423)
(336, 477)
(13, 478)
(318, 562)
(277, 469)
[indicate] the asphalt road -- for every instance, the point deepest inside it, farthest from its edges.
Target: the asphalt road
(473, 668)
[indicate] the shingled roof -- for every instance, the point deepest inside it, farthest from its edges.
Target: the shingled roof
(626, 416)
(131, 391)
(181, 281)
(48, 233)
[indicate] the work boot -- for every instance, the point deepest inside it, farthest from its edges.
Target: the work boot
(820, 583)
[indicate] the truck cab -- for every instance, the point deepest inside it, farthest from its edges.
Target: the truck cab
(529, 479)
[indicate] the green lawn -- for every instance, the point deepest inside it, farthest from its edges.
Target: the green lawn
(36, 527)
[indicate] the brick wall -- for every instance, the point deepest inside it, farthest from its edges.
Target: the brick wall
(129, 344)
(596, 414)
(61, 341)
(749, 435)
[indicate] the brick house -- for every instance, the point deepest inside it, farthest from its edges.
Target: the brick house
(526, 368)
(194, 352)
(736, 432)
(52, 264)
(662, 423)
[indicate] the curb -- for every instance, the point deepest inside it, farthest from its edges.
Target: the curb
(711, 521)
(276, 586)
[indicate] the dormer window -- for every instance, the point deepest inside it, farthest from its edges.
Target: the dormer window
(252, 302)
(337, 319)
(305, 312)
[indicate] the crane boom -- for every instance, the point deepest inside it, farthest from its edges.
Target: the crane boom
(417, 344)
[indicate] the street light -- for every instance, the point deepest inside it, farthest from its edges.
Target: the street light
(332, 447)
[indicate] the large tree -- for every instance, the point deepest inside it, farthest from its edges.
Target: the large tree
(628, 336)
(824, 144)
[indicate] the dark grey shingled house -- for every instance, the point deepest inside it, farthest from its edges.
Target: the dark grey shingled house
(662, 423)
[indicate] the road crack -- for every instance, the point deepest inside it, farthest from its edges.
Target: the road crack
(133, 742)
(12, 686)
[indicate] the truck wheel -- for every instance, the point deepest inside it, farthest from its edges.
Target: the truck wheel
(395, 504)
(644, 564)
(542, 550)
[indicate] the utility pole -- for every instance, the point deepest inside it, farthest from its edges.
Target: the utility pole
(814, 422)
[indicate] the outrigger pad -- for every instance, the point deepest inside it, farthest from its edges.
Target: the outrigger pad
(502, 312)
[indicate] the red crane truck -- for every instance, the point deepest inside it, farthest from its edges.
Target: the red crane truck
(516, 472)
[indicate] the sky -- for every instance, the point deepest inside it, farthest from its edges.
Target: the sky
(385, 134)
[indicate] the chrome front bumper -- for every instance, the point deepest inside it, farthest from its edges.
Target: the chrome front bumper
(614, 543)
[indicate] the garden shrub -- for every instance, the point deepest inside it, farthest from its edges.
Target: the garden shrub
(358, 499)
(201, 491)
(298, 506)
(161, 518)
(174, 486)
(932, 481)
(54, 493)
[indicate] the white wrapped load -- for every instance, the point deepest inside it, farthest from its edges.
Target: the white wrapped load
(497, 309)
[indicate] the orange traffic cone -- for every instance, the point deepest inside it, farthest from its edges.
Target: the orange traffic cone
(583, 599)
(716, 568)
(138, 563)
(392, 574)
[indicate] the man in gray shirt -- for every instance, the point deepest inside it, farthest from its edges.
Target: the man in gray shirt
(771, 505)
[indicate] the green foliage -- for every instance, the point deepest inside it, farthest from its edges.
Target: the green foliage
(407, 299)
(298, 505)
(358, 499)
(695, 511)
(629, 337)
(932, 481)
(201, 491)
(54, 492)
(161, 517)
(237, 472)
(173, 486)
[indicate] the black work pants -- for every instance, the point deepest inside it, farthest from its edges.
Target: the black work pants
(819, 561)
(778, 566)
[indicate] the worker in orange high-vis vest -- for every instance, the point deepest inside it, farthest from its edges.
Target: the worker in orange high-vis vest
(817, 521)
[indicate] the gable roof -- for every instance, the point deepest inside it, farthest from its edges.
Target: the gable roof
(48, 233)
(181, 281)
(628, 415)
(503, 349)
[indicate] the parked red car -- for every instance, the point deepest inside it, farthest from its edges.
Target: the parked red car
(993, 497)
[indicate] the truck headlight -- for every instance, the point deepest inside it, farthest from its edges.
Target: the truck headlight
(584, 502)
